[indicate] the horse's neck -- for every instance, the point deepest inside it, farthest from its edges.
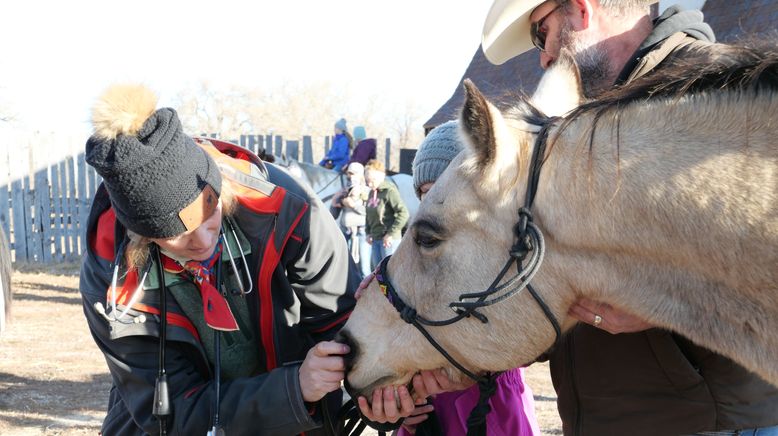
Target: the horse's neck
(672, 221)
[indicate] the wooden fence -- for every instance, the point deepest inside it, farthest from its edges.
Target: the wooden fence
(44, 211)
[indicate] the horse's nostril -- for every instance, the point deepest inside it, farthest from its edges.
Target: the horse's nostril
(344, 338)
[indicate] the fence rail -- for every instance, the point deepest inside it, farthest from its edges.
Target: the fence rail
(44, 210)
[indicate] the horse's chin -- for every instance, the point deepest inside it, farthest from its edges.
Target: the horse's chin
(388, 380)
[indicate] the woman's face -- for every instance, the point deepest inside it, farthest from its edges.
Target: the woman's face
(355, 179)
(374, 178)
(423, 189)
(200, 242)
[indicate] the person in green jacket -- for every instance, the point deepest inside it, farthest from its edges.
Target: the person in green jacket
(386, 213)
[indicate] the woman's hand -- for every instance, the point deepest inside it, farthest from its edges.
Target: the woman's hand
(322, 370)
(419, 415)
(389, 404)
(428, 383)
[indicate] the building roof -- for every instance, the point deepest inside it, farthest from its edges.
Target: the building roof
(730, 21)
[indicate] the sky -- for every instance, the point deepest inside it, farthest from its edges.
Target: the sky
(57, 56)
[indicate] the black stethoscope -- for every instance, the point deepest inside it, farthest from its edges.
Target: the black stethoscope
(161, 408)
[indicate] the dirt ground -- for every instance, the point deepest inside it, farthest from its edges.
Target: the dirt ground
(53, 380)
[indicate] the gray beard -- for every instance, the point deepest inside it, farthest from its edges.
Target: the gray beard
(593, 61)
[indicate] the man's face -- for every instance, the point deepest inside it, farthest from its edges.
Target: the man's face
(585, 46)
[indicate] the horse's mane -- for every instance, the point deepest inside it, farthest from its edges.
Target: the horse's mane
(748, 65)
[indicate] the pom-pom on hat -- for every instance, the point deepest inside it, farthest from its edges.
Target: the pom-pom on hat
(161, 184)
(437, 150)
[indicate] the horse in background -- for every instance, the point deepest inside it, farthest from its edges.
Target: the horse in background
(660, 199)
(325, 183)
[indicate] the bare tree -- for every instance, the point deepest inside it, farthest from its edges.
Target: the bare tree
(292, 110)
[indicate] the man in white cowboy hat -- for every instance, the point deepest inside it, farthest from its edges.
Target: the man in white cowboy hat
(613, 41)
(614, 374)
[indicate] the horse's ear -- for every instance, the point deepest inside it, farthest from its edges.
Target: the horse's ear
(478, 125)
(560, 90)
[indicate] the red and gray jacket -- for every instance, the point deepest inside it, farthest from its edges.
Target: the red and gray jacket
(303, 280)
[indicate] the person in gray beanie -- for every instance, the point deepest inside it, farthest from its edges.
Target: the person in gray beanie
(437, 150)
(513, 406)
(197, 261)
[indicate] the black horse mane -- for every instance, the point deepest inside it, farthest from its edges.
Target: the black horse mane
(748, 65)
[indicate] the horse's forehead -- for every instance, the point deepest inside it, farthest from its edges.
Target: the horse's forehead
(451, 193)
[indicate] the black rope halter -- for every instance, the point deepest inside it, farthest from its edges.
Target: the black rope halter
(528, 240)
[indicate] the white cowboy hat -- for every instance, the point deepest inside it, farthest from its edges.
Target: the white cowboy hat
(506, 29)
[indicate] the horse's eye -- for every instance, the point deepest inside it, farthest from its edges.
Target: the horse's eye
(426, 241)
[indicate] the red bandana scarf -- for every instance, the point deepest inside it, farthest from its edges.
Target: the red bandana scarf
(216, 310)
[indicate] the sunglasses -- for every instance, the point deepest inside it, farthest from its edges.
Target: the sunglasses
(537, 33)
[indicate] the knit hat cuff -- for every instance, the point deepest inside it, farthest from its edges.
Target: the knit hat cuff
(428, 171)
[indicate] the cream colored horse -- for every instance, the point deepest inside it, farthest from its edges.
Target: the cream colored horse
(668, 209)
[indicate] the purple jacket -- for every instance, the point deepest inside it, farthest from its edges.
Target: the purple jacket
(513, 408)
(364, 151)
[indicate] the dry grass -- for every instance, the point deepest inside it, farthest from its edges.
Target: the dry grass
(53, 380)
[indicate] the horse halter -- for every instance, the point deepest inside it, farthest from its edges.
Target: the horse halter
(528, 239)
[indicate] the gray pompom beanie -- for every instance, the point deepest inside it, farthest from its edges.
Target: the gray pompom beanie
(435, 153)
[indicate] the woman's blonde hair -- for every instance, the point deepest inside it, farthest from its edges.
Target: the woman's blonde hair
(375, 165)
(137, 251)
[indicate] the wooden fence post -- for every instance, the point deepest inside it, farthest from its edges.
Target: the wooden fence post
(5, 219)
(293, 149)
(28, 233)
(279, 145)
(19, 218)
(43, 213)
(83, 206)
(56, 212)
(388, 159)
(307, 149)
(252, 143)
(269, 144)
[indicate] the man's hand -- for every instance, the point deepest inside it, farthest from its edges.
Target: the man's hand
(388, 405)
(363, 285)
(322, 370)
(607, 317)
(387, 240)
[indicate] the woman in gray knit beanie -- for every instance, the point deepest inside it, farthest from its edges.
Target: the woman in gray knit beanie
(434, 154)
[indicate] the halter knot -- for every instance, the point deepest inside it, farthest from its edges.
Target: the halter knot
(525, 216)
(408, 314)
(522, 247)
